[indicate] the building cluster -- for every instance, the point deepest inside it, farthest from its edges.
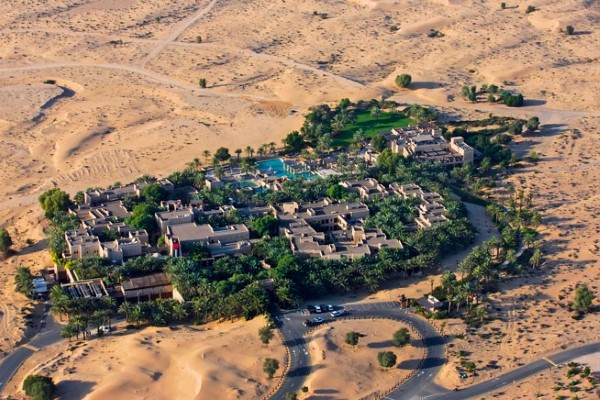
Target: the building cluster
(330, 230)
(425, 142)
(326, 229)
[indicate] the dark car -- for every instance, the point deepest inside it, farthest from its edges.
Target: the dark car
(308, 322)
(311, 309)
(326, 307)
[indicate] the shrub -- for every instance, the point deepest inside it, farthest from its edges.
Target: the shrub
(503, 5)
(530, 9)
(202, 83)
(270, 366)
(403, 80)
(39, 387)
(5, 241)
(570, 30)
(401, 337)
(386, 359)
(352, 338)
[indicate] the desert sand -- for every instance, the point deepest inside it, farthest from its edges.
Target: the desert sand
(127, 102)
(221, 361)
(336, 362)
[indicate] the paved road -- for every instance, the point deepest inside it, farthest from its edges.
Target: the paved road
(48, 335)
(519, 373)
(290, 325)
(421, 385)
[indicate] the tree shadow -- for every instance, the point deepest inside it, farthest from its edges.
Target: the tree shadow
(533, 102)
(579, 33)
(73, 389)
(381, 345)
(34, 248)
(426, 85)
(326, 391)
(409, 364)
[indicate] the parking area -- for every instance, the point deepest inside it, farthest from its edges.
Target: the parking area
(384, 305)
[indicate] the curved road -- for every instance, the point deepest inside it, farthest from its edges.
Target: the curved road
(292, 330)
(420, 386)
(48, 335)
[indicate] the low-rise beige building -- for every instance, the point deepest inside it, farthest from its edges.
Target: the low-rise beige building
(330, 230)
(426, 143)
(230, 239)
(366, 188)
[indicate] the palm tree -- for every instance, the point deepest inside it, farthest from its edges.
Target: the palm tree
(206, 155)
(249, 151)
(238, 152)
(375, 112)
(338, 122)
(272, 147)
(261, 151)
(536, 258)
(179, 312)
(68, 331)
(125, 308)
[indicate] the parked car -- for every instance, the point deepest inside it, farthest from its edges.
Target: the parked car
(311, 308)
(318, 320)
(338, 313)
(106, 329)
(326, 307)
(318, 309)
(308, 322)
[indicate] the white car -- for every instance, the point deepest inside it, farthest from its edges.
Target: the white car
(318, 309)
(318, 320)
(338, 313)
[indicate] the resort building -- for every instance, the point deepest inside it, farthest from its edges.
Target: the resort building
(89, 288)
(227, 240)
(98, 196)
(330, 230)
(426, 143)
(366, 188)
(83, 243)
(431, 209)
(147, 287)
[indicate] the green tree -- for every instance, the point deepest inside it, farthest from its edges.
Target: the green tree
(206, 155)
(266, 334)
(533, 124)
(503, 5)
(291, 396)
(403, 80)
(202, 83)
(79, 197)
(266, 225)
(142, 217)
(352, 338)
(270, 366)
(336, 192)
(387, 359)
(375, 112)
(570, 30)
(536, 258)
(222, 154)
(24, 281)
(53, 202)
(5, 241)
(154, 193)
(530, 9)
(293, 141)
(584, 298)
(39, 387)
(378, 143)
(324, 143)
(401, 337)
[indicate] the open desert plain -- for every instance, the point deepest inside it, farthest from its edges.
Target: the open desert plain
(94, 92)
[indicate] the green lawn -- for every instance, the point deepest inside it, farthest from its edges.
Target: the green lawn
(371, 126)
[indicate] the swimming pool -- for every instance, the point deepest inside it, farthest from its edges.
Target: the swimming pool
(277, 167)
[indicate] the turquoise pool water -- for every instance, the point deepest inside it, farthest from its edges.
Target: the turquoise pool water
(275, 167)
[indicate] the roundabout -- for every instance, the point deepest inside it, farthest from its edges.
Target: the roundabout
(418, 384)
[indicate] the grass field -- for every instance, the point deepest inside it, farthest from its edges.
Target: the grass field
(371, 126)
